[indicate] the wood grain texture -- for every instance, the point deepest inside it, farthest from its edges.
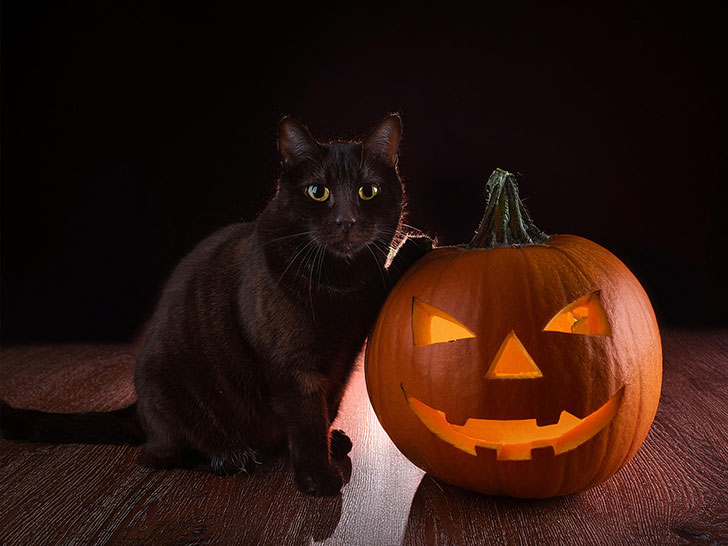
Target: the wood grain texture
(675, 490)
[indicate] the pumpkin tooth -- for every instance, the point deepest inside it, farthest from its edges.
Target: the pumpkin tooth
(540, 453)
(459, 420)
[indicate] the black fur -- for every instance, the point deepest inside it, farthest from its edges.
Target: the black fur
(258, 328)
(113, 427)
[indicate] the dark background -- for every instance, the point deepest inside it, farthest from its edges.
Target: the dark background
(130, 131)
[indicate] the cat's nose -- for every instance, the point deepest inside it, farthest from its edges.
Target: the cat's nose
(345, 222)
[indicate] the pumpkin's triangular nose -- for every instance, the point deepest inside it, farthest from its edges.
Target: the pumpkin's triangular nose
(513, 361)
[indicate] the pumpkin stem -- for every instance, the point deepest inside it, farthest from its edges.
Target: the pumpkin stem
(506, 221)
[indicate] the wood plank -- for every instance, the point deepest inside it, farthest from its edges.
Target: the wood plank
(673, 492)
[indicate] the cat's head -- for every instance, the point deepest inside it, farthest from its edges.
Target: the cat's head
(344, 195)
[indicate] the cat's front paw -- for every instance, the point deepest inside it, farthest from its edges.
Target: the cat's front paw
(340, 444)
(420, 245)
(323, 481)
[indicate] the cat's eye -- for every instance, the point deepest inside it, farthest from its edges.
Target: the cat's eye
(317, 192)
(368, 191)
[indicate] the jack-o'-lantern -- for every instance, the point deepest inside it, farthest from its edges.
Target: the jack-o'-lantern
(521, 364)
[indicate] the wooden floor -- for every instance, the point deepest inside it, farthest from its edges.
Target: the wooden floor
(675, 490)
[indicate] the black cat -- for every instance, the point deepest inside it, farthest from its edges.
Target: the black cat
(258, 328)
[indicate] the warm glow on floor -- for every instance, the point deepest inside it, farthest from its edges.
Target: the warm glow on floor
(514, 439)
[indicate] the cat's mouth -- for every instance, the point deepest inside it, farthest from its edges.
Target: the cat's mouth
(346, 249)
(345, 246)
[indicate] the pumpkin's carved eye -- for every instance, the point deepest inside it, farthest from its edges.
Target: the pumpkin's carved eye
(584, 316)
(432, 325)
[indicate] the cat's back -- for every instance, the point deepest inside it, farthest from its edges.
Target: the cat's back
(219, 245)
(203, 282)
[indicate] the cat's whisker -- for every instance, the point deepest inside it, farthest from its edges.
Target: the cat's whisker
(288, 237)
(407, 230)
(304, 245)
(388, 255)
(383, 245)
(319, 248)
(305, 260)
(321, 264)
(373, 245)
(380, 233)
(379, 267)
(380, 242)
(397, 235)
(413, 228)
(389, 243)
(388, 240)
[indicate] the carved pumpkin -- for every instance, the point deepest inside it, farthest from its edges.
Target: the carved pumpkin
(522, 364)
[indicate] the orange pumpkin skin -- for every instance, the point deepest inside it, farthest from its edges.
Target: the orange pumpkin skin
(494, 292)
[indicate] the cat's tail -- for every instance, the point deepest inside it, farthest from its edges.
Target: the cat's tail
(113, 427)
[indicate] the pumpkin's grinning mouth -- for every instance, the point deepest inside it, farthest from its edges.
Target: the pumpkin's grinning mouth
(514, 439)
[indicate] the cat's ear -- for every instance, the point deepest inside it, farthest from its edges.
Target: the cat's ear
(383, 142)
(295, 143)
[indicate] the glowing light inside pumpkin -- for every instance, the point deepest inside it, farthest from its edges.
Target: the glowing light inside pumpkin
(585, 316)
(432, 325)
(512, 361)
(514, 439)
